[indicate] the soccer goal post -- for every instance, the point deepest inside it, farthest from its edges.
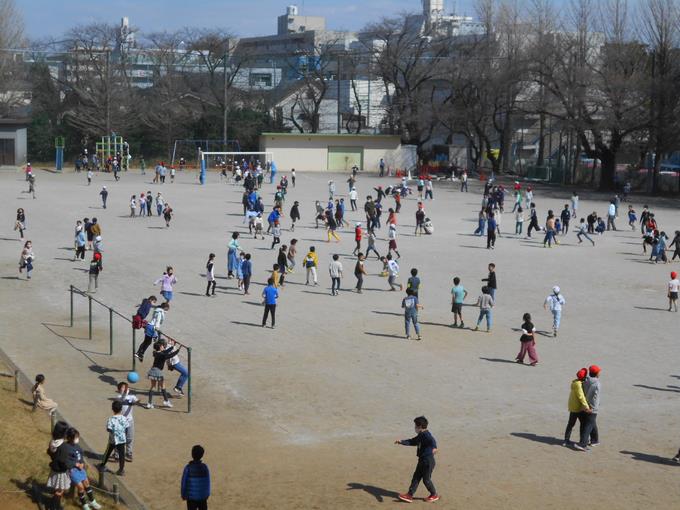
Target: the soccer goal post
(229, 161)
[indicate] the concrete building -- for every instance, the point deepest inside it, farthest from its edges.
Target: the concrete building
(13, 141)
(362, 107)
(293, 23)
(329, 152)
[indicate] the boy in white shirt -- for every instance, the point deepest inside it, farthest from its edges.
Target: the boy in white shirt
(673, 289)
(128, 400)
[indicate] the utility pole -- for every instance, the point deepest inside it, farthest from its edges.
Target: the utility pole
(226, 105)
(337, 77)
(108, 92)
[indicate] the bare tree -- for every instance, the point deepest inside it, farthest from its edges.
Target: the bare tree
(659, 30)
(314, 67)
(409, 60)
(595, 80)
(11, 69)
(97, 82)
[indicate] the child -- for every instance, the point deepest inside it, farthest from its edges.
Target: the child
(357, 238)
(282, 261)
(458, 295)
(311, 263)
(167, 215)
(410, 305)
(155, 373)
(392, 236)
(210, 275)
(152, 328)
(116, 426)
(519, 220)
(94, 270)
(583, 231)
(247, 269)
(632, 217)
(335, 272)
(428, 226)
(275, 275)
(26, 259)
(239, 270)
(393, 273)
(527, 342)
(269, 297)
(167, 281)
(172, 174)
(600, 226)
(78, 473)
(89, 177)
(673, 289)
(258, 226)
(413, 282)
(427, 448)
(196, 481)
(555, 301)
(292, 251)
(371, 244)
(276, 233)
(485, 303)
(359, 272)
(59, 480)
(128, 400)
(294, 214)
(40, 400)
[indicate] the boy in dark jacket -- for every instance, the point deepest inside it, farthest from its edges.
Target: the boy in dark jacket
(196, 481)
(427, 447)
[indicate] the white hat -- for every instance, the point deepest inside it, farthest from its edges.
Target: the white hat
(556, 289)
(103, 187)
(358, 223)
(98, 238)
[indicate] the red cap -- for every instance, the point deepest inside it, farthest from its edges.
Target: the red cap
(97, 256)
(581, 374)
(674, 275)
(594, 370)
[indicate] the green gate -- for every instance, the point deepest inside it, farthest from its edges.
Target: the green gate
(342, 159)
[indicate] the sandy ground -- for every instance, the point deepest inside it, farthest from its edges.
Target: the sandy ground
(304, 416)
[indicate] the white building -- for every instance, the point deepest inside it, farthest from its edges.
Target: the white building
(293, 23)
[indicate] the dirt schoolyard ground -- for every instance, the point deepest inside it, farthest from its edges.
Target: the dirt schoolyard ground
(305, 416)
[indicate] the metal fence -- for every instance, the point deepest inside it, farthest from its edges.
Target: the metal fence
(111, 313)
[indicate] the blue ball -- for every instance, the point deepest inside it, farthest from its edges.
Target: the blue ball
(132, 377)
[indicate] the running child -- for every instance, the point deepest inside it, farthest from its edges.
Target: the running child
(210, 275)
(426, 449)
(632, 217)
(527, 342)
(392, 245)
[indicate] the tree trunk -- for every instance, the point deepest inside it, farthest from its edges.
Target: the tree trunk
(506, 144)
(541, 140)
(655, 171)
(607, 171)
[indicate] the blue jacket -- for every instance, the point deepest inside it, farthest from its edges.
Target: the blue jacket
(425, 442)
(196, 481)
(247, 268)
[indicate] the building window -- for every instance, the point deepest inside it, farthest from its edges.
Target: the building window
(260, 80)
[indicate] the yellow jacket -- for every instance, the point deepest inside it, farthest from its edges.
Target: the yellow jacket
(577, 399)
(312, 255)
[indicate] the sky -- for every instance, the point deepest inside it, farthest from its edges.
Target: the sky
(51, 18)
